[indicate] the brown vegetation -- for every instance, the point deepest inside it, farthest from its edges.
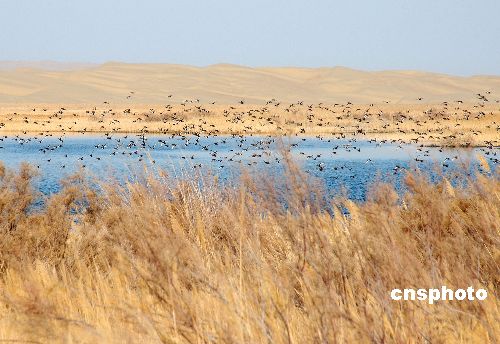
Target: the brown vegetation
(446, 124)
(176, 262)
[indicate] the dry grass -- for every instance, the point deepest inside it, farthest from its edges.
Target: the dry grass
(184, 263)
(447, 124)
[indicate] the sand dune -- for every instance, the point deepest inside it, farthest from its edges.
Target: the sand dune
(152, 83)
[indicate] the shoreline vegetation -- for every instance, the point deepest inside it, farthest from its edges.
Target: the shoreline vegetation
(447, 124)
(185, 260)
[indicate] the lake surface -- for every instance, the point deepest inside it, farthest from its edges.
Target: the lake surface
(351, 164)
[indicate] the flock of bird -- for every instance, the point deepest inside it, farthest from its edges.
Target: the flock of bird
(189, 132)
(222, 152)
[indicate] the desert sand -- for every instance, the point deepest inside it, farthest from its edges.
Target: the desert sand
(224, 83)
(228, 99)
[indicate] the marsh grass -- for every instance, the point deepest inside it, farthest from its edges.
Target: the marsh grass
(184, 261)
(423, 123)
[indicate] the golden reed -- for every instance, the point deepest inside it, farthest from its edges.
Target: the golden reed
(189, 261)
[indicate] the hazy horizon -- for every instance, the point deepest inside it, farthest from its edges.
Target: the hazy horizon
(450, 37)
(54, 65)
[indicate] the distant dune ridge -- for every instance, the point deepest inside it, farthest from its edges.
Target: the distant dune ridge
(47, 82)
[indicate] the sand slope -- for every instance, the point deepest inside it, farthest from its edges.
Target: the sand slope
(152, 83)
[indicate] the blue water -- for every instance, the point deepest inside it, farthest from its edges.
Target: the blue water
(340, 164)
